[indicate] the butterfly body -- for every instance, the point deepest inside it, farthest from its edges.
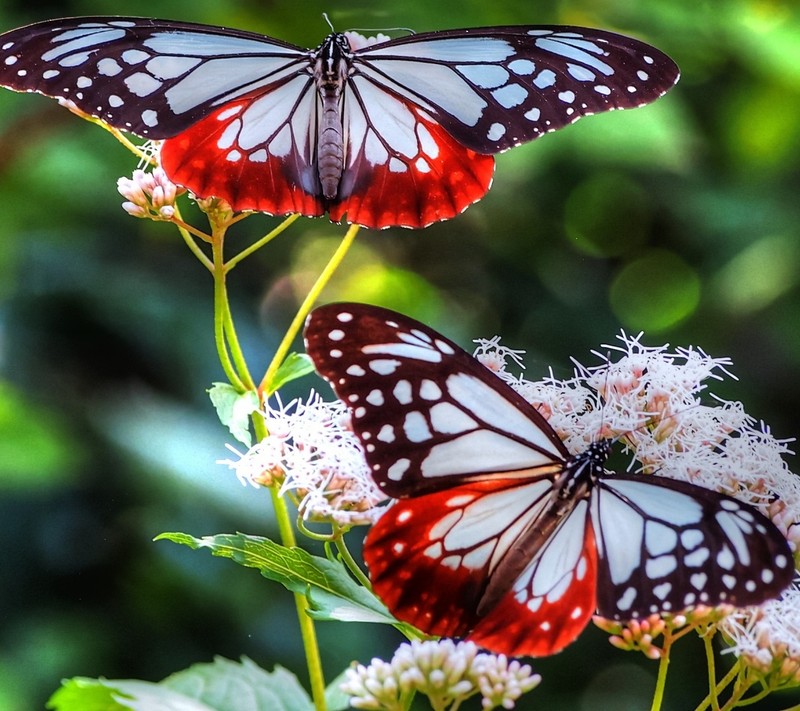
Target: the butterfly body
(498, 533)
(378, 133)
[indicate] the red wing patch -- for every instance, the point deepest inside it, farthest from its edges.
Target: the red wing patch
(436, 180)
(431, 558)
(256, 152)
(550, 604)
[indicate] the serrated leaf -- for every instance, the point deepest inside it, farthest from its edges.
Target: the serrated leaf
(234, 409)
(225, 685)
(222, 685)
(81, 694)
(334, 595)
(295, 366)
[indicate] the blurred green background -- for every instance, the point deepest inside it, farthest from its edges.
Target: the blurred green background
(679, 219)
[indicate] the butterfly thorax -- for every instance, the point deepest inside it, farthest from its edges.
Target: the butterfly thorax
(330, 74)
(582, 470)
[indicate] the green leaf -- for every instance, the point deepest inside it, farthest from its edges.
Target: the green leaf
(223, 685)
(335, 698)
(82, 694)
(234, 409)
(333, 594)
(295, 366)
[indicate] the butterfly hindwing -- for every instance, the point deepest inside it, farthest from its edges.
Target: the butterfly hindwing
(432, 559)
(666, 545)
(423, 408)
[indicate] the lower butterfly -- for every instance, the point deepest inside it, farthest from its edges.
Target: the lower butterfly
(499, 535)
(374, 131)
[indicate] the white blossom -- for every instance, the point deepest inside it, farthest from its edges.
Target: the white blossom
(149, 194)
(310, 450)
(444, 671)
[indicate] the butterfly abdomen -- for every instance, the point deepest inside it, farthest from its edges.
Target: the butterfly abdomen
(330, 74)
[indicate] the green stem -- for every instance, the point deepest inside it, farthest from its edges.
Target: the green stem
(221, 312)
(349, 561)
(305, 307)
(307, 631)
(663, 667)
(261, 242)
(726, 680)
(708, 644)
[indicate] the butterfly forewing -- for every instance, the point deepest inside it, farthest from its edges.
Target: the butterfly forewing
(496, 87)
(425, 411)
(153, 78)
(695, 547)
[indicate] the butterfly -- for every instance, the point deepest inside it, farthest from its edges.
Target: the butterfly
(374, 131)
(499, 534)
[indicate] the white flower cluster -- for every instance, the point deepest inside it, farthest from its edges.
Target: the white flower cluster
(650, 399)
(767, 637)
(446, 672)
(311, 450)
(150, 195)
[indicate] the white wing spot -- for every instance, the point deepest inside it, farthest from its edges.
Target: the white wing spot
(384, 366)
(781, 561)
(725, 558)
(697, 558)
(415, 427)
(522, 67)
(627, 599)
(397, 166)
(444, 347)
(141, 84)
(108, 67)
(698, 581)
(729, 581)
(691, 538)
(661, 591)
(429, 390)
(356, 370)
(134, 56)
(644, 76)
(510, 95)
(359, 412)
(149, 118)
(603, 89)
(422, 165)
(387, 435)
(580, 73)
(544, 79)
(750, 586)
(485, 76)
(402, 392)
(399, 547)
(375, 398)
(344, 317)
(11, 60)
(648, 59)
(335, 353)
(533, 115)
(405, 515)
(661, 566)
(566, 96)
(631, 89)
(496, 132)
(50, 74)
(115, 102)
(448, 419)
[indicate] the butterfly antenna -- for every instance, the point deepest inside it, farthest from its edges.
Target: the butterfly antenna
(328, 21)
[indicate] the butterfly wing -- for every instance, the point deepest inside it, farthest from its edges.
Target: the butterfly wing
(431, 558)
(426, 111)
(237, 109)
(665, 545)
(552, 600)
(427, 413)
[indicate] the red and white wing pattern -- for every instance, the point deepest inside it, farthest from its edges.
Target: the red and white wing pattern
(498, 534)
(421, 115)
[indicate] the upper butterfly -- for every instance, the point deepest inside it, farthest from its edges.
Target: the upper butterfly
(377, 133)
(500, 534)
